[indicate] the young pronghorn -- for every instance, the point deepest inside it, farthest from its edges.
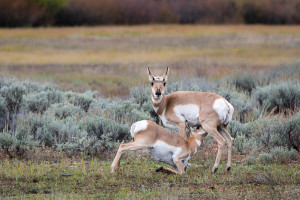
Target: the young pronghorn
(210, 110)
(164, 146)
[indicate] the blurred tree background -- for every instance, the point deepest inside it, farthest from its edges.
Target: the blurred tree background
(16, 13)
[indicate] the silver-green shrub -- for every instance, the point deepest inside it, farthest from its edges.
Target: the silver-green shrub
(64, 110)
(99, 126)
(7, 141)
(292, 132)
(284, 95)
(250, 160)
(82, 100)
(13, 96)
(244, 82)
(265, 158)
(40, 101)
(244, 145)
(3, 113)
(282, 155)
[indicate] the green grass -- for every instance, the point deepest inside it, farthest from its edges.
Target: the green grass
(137, 179)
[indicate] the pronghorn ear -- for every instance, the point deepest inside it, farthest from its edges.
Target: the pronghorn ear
(151, 77)
(166, 74)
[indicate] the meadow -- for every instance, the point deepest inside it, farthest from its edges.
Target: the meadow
(112, 59)
(69, 95)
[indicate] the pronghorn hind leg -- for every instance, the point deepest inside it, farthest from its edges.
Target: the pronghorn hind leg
(229, 140)
(213, 132)
(132, 146)
(166, 169)
(179, 165)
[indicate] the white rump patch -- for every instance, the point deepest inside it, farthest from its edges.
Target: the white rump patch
(189, 112)
(138, 126)
(224, 110)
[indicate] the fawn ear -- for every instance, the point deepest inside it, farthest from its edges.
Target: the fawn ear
(166, 74)
(151, 77)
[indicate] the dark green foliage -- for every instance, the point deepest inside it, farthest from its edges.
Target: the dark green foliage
(52, 6)
(128, 12)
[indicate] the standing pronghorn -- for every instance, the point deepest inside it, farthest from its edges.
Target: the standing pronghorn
(164, 146)
(210, 110)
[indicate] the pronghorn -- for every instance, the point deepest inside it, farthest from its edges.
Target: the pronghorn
(210, 110)
(164, 146)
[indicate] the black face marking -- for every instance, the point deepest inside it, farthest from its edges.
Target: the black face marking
(152, 83)
(153, 78)
(165, 83)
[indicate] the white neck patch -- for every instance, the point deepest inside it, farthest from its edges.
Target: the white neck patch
(201, 132)
(198, 142)
(156, 101)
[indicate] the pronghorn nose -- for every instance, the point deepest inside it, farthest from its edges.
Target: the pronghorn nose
(158, 93)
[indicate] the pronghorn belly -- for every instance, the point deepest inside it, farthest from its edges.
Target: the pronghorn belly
(224, 110)
(189, 112)
(164, 152)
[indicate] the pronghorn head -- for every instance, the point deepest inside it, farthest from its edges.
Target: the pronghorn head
(158, 83)
(198, 131)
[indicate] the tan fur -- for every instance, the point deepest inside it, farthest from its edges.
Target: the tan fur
(147, 138)
(208, 117)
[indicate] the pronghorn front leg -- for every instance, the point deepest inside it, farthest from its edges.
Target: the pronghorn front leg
(181, 128)
(132, 146)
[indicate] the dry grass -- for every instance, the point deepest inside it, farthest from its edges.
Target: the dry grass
(111, 59)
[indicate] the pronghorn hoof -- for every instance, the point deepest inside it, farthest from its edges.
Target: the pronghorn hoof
(228, 169)
(215, 170)
(113, 171)
(159, 169)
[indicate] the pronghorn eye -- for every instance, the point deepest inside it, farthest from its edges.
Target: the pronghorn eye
(165, 83)
(152, 83)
